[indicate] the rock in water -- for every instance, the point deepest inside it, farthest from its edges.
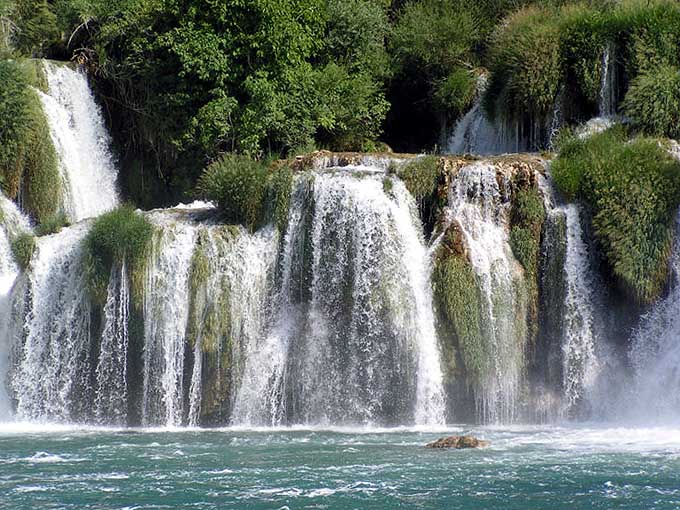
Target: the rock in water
(458, 442)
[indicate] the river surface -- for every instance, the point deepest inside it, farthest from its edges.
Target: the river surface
(55, 467)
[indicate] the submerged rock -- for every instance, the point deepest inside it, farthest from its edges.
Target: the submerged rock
(458, 442)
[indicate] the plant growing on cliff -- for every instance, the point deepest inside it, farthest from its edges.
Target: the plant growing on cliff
(23, 247)
(653, 101)
(633, 188)
(525, 64)
(28, 161)
(421, 176)
(238, 185)
(122, 235)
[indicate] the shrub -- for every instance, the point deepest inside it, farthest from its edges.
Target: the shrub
(650, 33)
(23, 247)
(584, 34)
(632, 188)
(246, 192)
(421, 176)
(653, 101)
(525, 64)
(238, 185)
(122, 235)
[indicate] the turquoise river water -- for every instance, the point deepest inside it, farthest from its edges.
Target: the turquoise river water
(524, 468)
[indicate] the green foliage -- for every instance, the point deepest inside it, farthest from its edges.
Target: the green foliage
(421, 176)
(653, 101)
(35, 27)
(632, 187)
(279, 189)
(525, 247)
(525, 64)
(122, 235)
(23, 247)
(433, 44)
(238, 185)
(197, 79)
(28, 161)
(584, 34)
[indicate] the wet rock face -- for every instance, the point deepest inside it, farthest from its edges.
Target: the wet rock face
(458, 442)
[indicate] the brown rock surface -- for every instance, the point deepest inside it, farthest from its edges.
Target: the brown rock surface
(458, 442)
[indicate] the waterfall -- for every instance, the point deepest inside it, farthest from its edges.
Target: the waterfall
(110, 405)
(655, 354)
(232, 311)
(12, 223)
(580, 363)
(51, 371)
(607, 97)
(166, 311)
(476, 133)
(82, 143)
(354, 340)
(481, 207)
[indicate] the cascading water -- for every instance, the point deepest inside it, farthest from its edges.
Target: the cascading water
(82, 143)
(580, 363)
(55, 322)
(110, 404)
(166, 311)
(655, 355)
(354, 341)
(232, 307)
(12, 224)
(481, 208)
(475, 133)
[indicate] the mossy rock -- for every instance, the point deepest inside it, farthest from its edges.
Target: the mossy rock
(122, 235)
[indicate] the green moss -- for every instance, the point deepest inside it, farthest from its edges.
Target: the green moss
(633, 189)
(458, 299)
(23, 247)
(387, 185)
(120, 235)
(653, 101)
(52, 225)
(421, 176)
(209, 306)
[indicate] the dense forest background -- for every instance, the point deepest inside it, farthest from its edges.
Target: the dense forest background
(186, 81)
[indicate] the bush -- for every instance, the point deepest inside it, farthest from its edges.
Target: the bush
(238, 185)
(122, 235)
(525, 65)
(584, 34)
(633, 190)
(23, 247)
(653, 101)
